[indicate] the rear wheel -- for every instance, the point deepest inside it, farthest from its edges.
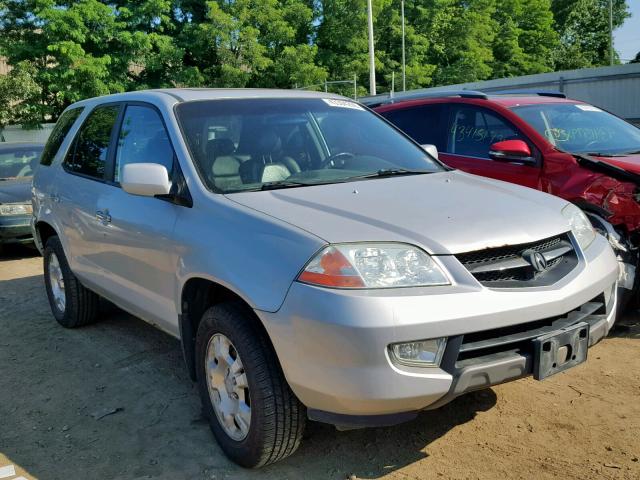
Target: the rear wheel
(71, 303)
(254, 415)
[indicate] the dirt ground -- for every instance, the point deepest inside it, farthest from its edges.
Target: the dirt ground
(113, 400)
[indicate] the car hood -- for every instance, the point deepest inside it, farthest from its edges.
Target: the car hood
(444, 213)
(15, 190)
(630, 163)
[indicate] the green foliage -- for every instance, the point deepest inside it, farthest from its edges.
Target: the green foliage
(342, 40)
(19, 95)
(525, 38)
(252, 43)
(66, 50)
(584, 31)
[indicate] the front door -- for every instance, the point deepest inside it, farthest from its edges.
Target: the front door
(471, 130)
(138, 242)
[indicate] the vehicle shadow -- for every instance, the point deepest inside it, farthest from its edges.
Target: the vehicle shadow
(113, 400)
(17, 251)
(628, 326)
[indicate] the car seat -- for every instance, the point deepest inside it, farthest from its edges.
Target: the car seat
(267, 163)
(225, 167)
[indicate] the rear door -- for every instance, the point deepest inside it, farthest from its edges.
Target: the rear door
(77, 189)
(470, 132)
(138, 245)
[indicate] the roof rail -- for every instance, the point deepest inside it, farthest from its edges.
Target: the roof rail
(386, 99)
(541, 93)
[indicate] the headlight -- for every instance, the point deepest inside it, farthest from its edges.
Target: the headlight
(373, 265)
(423, 353)
(580, 225)
(16, 209)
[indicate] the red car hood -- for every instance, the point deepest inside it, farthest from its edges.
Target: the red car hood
(630, 163)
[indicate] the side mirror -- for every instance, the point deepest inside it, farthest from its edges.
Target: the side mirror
(145, 179)
(511, 151)
(430, 149)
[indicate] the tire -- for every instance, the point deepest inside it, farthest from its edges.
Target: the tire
(277, 418)
(80, 306)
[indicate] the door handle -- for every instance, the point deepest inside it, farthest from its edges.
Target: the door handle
(103, 217)
(55, 198)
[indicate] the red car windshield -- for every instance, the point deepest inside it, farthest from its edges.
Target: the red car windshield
(581, 128)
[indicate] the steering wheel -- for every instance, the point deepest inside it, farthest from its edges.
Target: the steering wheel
(591, 143)
(25, 171)
(332, 160)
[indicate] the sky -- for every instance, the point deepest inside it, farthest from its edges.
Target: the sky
(626, 39)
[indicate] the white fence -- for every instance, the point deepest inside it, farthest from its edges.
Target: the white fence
(616, 88)
(15, 133)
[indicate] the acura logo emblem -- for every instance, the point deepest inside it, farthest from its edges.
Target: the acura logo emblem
(536, 260)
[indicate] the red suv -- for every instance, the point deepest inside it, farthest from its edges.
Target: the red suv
(540, 140)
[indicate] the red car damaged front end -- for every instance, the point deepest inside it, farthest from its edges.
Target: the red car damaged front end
(597, 184)
(542, 140)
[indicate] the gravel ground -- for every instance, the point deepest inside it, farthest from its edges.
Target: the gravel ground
(113, 400)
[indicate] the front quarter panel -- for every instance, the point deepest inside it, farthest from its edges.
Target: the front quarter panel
(255, 256)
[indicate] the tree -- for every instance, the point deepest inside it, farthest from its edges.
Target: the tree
(388, 28)
(253, 43)
(464, 32)
(19, 93)
(85, 48)
(525, 38)
(583, 26)
(342, 40)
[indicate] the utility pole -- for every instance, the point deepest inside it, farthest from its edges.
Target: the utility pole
(393, 84)
(610, 32)
(355, 86)
(404, 64)
(372, 60)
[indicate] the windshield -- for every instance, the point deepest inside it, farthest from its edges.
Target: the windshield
(581, 128)
(255, 144)
(19, 161)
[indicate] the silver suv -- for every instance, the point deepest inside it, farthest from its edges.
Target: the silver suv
(313, 261)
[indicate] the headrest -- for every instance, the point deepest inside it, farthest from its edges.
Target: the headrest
(219, 147)
(268, 142)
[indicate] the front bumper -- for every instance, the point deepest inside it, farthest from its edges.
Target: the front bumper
(15, 229)
(332, 344)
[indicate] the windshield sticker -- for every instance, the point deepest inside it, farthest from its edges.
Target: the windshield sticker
(332, 102)
(584, 135)
(588, 108)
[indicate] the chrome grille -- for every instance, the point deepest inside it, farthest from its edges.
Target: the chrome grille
(506, 267)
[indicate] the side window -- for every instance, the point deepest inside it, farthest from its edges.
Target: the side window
(473, 130)
(142, 139)
(88, 155)
(59, 132)
(424, 123)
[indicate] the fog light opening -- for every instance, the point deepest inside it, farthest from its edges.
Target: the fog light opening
(419, 353)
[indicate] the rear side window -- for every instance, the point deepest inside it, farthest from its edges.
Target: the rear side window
(88, 155)
(142, 139)
(59, 132)
(424, 123)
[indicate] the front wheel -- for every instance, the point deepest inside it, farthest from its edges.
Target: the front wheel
(254, 415)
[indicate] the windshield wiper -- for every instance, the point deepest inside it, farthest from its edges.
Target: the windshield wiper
(602, 154)
(283, 184)
(389, 172)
